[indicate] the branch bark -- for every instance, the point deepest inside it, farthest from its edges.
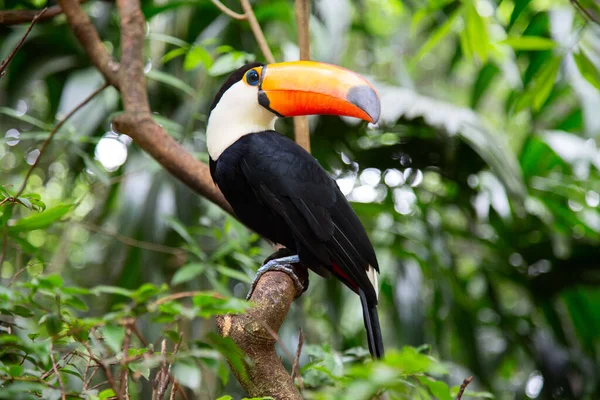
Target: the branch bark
(15, 17)
(301, 128)
(137, 121)
(254, 332)
(272, 298)
(35, 19)
(90, 40)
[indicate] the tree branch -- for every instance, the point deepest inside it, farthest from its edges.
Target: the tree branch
(53, 132)
(88, 37)
(228, 11)
(15, 17)
(302, 7)
(275, 291)
(271, 298)
(33, 20)
(257, 31)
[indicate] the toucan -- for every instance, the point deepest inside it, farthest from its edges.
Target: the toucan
(277, 188)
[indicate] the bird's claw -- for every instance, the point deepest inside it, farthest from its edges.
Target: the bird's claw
(283, 264)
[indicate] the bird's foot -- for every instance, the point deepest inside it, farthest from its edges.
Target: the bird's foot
(289, 265)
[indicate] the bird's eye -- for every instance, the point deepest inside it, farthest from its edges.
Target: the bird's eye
(252, 77)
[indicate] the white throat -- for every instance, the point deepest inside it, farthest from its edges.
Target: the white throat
(237, 114)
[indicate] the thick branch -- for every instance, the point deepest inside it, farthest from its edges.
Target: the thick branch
(88, 37)
(133, 81)
(272, 298)
(171, 155)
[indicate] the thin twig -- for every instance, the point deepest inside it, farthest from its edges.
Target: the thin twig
(464, 385)
(139, 335)
(85, 374)
(180, 295)
(257, 31)
(296, 366)
(53, 132)
(4, 246)
(302, 8)
(132, 242)
(124, 368)
(12, 53)
(585, 11)
(107, 373)
(16, 17)
(228, 11)
(16, 275)
(162, 377)
(55, 368)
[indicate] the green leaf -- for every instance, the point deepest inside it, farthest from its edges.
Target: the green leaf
(25, 118)
(6, 211)
(15, 370)
(486, 74)
(173, 54)
(538, 91)
(172, 81)
(114, 336)
(112, 290)
(51, 281)
(196, 56)
(230, 62)
(53, 324)
(106, 394)
(437, 388)
(41, 220)
(226, 397)
(187, 273)
(188, 375)
(587, 68)
(529, 43)
(141, 368)
(437, 36)
(474, 37)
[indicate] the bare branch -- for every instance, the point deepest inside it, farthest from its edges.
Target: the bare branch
(271, 298)
(257, 31)
(228, 11)
(124, 378)
(171, 155)
(18, 46)
(463, 387)
(59, 379)
(107, 373)
(88, 37)
(296, 366)
(15, 17)
(3, 253)
(53, 132)
(160, 248)
(302, 8)
(589, 14)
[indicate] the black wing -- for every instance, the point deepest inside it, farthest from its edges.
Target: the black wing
(292, 183)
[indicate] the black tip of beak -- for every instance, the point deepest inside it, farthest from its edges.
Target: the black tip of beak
(365, 98)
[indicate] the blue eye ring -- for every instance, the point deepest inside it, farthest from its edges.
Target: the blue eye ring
(252, 77)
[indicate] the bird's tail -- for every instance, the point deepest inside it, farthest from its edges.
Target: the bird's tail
(372, 326)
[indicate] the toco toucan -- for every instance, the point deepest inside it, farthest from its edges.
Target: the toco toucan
(277, 188)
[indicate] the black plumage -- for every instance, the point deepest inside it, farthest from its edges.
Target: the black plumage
(279, 190)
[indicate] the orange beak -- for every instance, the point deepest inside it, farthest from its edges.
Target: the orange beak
(306, 87)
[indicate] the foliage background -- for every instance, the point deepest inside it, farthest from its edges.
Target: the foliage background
(480, 190)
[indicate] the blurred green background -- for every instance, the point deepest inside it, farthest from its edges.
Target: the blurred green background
(480, 187)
